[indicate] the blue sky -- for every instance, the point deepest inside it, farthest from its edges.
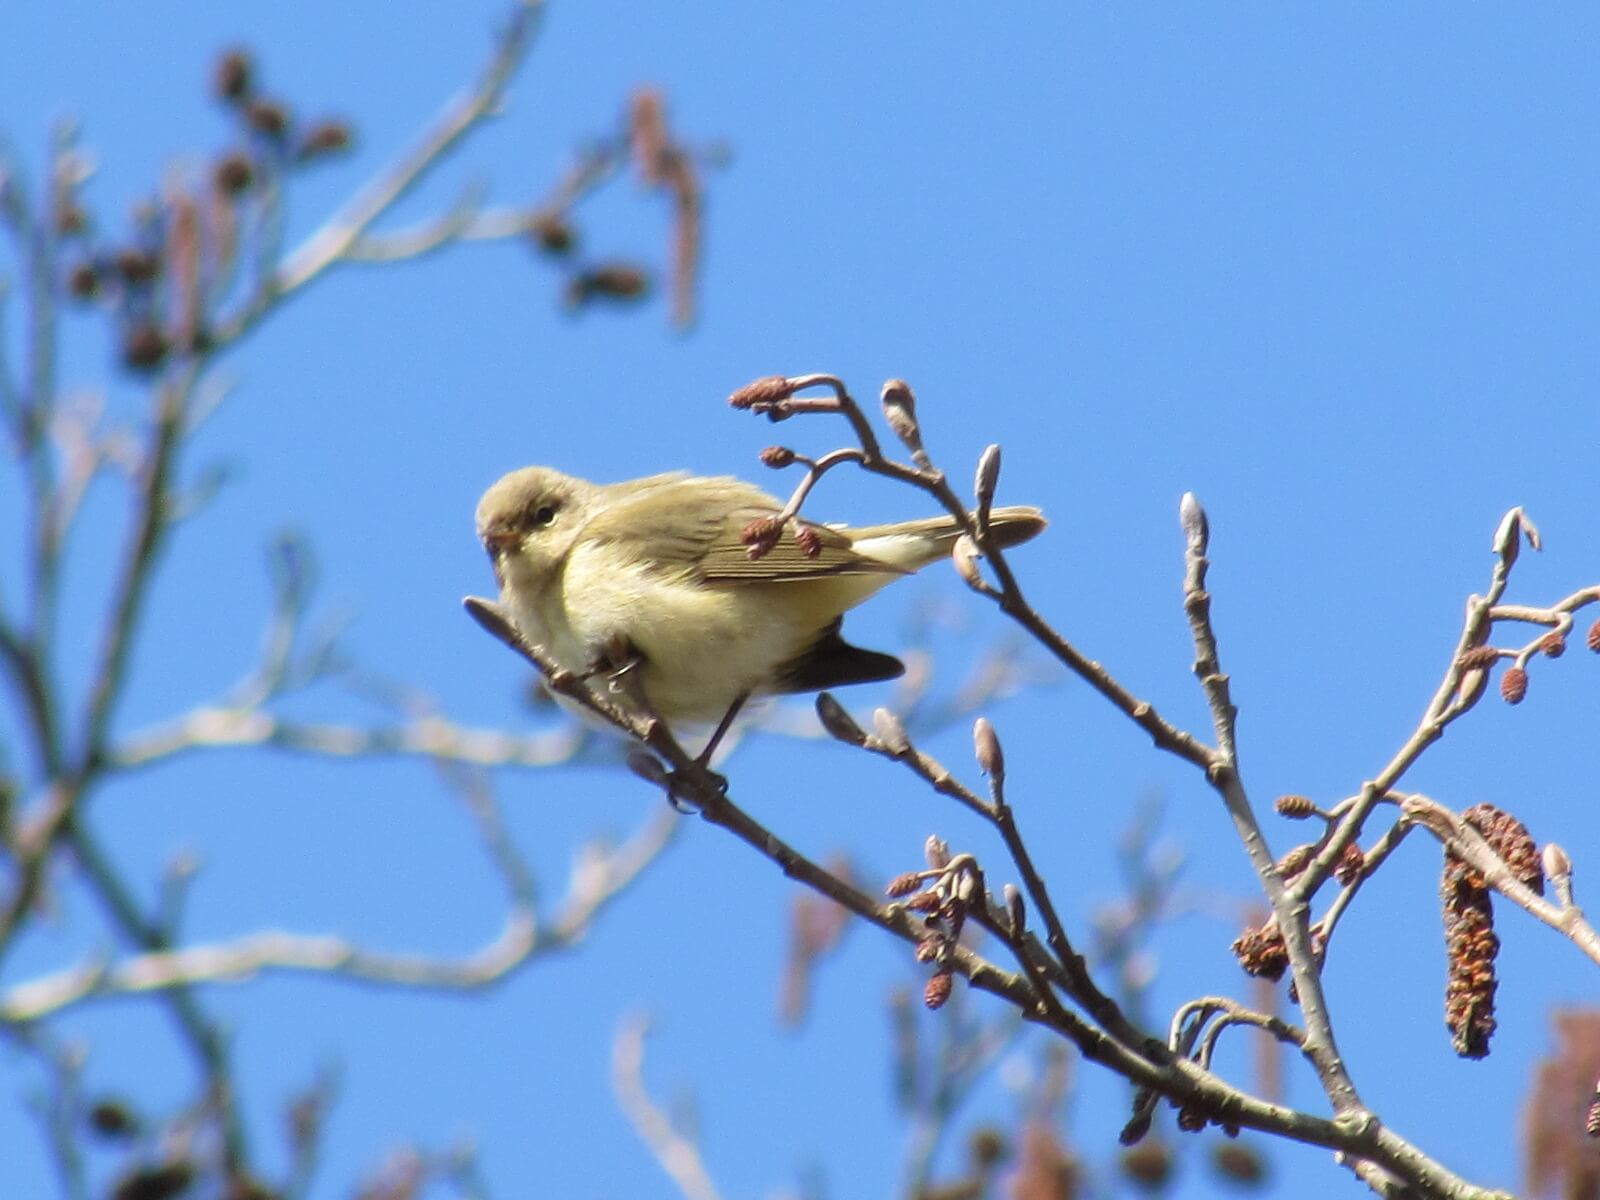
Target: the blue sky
(1332, 268)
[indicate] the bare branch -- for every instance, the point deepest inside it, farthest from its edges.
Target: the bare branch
(600, 878)
(333, 242)
(677, 1155)
(427, 737)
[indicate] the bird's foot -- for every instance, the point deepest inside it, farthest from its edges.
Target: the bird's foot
(693, 778)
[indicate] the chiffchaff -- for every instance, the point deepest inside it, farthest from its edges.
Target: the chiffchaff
(655, 574)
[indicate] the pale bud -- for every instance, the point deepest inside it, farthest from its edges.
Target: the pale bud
(1196, 529)
(1556, 862)
(839, 723)
(986, 744)
(964, 556)
(900, 411)
(890, 732)
(897, 393)
(1473, 683)
(1016, 909)
(988, 477)
(937, 851)
(966, 886)
(1514, 526)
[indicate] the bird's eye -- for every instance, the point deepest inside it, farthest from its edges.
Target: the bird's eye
(544, 515)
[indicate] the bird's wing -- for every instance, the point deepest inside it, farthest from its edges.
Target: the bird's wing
(696, 525)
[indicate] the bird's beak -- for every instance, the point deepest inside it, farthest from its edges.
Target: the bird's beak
(498, 543)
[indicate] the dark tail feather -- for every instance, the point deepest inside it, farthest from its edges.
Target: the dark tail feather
(833, 662)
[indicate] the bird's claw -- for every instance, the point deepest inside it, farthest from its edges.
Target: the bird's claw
(695, 776)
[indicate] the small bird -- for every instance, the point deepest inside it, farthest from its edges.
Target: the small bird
(655, 575)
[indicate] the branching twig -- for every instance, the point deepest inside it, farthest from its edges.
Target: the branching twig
(598, 881)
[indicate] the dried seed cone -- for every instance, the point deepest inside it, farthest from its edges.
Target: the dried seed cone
(1592, 638)
(903, 885)
(1510, 839)
(938, 990)
(767, 390)
(145, 347)
(233, 174)
(1148, 1166)
(1470, 949)
(777, 456)
(1561, 1115)
(1294, 861)
(1350, 865)
(1553, 645)
(1296, 808)
(761, 535)
(1242, 1164)
(809, 541)
(325, 138)
(1047, 1169)
(1261, 951)
(1513, 685)
(234, 75)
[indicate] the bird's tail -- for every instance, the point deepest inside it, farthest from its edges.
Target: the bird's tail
(912, 545)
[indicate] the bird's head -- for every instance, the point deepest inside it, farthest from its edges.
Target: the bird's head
(529, 520)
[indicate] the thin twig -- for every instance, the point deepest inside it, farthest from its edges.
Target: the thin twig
(677, 1155)
(331, 243)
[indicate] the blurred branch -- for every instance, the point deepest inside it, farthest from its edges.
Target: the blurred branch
(468, 221)
(602, 875)
(430, 737)
(201, 269)
(334, 241)
(676, 1154)
(59, 1106)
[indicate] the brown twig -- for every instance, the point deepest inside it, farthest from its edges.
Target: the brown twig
(1360, 1135)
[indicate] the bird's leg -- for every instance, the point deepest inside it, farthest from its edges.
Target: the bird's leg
(702, 761)
(721, 731)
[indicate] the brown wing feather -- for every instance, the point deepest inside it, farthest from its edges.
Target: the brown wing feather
(697, 525)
